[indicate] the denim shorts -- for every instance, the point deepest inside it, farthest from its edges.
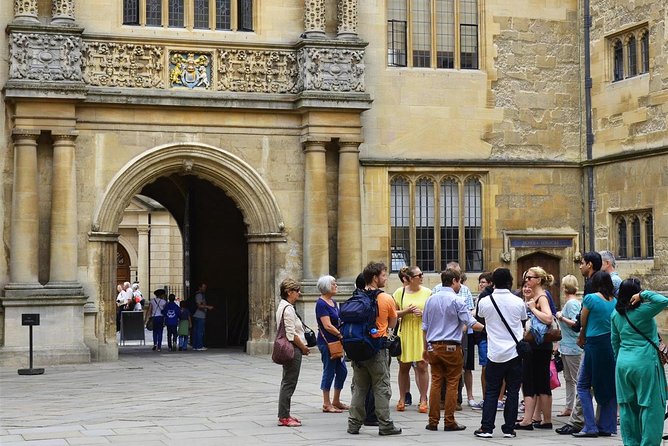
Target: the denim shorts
(482, 352)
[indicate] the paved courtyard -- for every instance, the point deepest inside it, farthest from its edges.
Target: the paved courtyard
(207, 398)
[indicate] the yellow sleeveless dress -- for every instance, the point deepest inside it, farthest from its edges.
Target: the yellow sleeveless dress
(410, 330)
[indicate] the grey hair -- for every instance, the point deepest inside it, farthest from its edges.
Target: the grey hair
(325, 284)
(607, 256)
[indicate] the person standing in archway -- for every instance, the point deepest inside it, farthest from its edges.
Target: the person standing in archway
(199, 318)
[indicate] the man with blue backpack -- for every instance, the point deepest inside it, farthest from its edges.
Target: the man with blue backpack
(366, 318)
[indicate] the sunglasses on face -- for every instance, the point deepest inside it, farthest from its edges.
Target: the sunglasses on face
(417, 275)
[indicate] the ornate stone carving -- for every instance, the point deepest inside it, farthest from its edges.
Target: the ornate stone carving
(112, 64)
(314, 18)
(347, 19)
(45, 57)
(331, 69)
(191, 70)
(63, 12)
(25, 10)
(257, 71)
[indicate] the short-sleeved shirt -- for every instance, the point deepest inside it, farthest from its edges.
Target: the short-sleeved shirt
(172, 314)
(501, 347)
(322, 308)
(386, 309)
(569, 338)
(200, 313)
(598, 320)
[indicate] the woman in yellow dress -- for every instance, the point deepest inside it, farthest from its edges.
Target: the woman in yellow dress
(410, 300)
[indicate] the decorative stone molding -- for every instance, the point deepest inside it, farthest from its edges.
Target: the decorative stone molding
(25, 11)
(190, 70)
(63, 12)
(45, 57)
(314, 19)
(347, 19)
(111, 64)
(257, 71)
(331, 69)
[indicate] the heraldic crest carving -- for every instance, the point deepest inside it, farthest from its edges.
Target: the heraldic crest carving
(192, 70)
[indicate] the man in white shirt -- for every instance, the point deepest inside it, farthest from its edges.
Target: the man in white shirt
(503, 361)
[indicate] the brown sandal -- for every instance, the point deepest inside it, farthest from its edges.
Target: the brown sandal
(341, 406)
(330, 409)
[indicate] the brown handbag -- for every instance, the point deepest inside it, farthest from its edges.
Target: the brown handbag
(284, 350)
(335, 350)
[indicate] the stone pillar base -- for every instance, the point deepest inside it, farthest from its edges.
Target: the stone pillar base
(259, 347)
(19, 357)
(59, 339)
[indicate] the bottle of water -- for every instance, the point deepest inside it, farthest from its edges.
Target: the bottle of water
(373, 331)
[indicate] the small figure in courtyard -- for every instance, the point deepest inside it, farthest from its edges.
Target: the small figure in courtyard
(172, 316)
(185, 324)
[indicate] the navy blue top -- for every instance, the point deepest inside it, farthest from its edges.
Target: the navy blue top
(322, 308)
(172, 313)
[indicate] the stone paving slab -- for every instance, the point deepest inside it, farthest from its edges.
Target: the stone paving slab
(209, 398)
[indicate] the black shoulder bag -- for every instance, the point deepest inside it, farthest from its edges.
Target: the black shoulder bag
(523, 347)
(663, 354)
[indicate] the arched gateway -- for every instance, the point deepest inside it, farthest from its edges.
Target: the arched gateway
(239, 181)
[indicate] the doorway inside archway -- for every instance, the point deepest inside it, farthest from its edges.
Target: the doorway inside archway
(549, 263)
(214, 252)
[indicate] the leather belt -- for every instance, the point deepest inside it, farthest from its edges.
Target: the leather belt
(445, 342)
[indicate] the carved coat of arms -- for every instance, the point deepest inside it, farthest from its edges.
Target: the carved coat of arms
(191, 70)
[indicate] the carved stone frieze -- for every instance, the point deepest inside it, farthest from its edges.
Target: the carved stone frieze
(25, 10)
(257, 71)
(63, 11)
(314, 18)
(112, 64)
(347, 19)
(331, 69)
(45, 57)
(191, 70)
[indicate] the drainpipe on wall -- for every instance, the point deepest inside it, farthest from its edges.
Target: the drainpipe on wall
(589, 132)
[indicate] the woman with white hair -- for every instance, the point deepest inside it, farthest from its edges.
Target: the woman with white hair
(334, 368)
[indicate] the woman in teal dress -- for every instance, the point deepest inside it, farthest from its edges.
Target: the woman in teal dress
(640, 379)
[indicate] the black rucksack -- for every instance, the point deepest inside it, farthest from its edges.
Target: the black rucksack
(191, 305)
(358, 319)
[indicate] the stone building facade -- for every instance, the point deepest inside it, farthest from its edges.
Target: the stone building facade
(305, 137)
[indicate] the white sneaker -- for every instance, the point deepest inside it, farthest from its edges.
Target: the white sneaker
(472, 403)
(477, 406)
(500, 405)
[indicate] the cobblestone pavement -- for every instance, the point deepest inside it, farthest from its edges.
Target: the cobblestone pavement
(208, 398)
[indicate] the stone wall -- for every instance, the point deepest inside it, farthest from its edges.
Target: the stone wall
(631, 114)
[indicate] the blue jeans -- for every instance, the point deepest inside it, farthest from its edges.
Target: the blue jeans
(607, 420)
(331, 368)
(198, 332)
(183, 342)
(495, 374)
(158, 325)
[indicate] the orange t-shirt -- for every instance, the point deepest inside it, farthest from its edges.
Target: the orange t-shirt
(386, 309)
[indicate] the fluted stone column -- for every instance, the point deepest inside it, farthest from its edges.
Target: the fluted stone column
(142, 257)
(347, 19)
(314, 19)
(25, 11)
(24, 229)
(63, 269)
(316, 239)
(349, 240)
(63, 12)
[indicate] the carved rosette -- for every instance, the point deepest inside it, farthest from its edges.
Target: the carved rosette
(111, 64)
(25, 10)
(45, 57)
(257, 71)
(63, 12)
(347, 19)
(331, 69)
(314, 18)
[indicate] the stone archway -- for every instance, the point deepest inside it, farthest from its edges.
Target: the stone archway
(240, 182)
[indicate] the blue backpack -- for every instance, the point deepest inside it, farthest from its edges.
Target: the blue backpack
(358, 318)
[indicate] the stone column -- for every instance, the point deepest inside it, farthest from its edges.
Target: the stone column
(64, 264)
(63, 12)
(142, 257)
(24, 229)
(349, 231)
(25, 11)
(347, 19)
(314, 19)
(316, 240)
